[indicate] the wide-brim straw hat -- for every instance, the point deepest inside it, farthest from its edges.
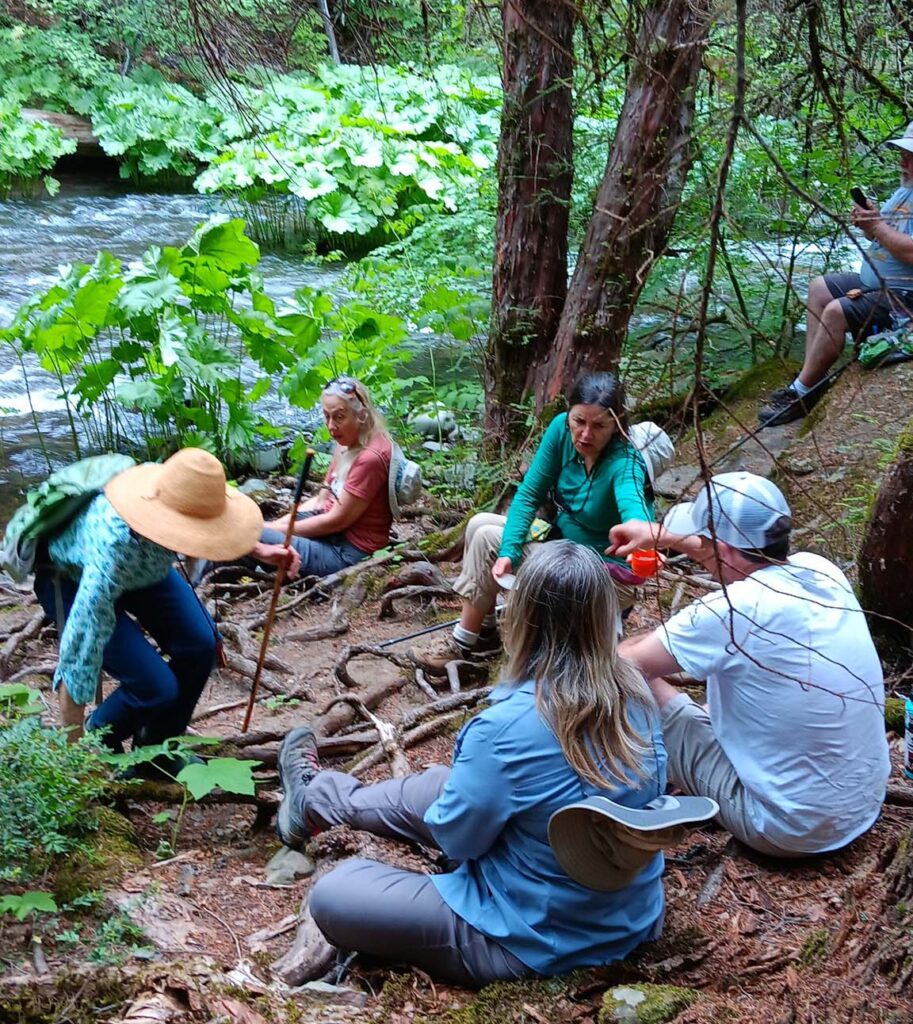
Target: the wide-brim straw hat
(184, 505)
(605, 845)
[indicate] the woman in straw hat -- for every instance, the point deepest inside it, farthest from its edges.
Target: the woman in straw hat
(350, 517)
(570, 719)
(109, 575)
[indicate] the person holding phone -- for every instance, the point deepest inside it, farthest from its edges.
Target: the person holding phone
(852, 303)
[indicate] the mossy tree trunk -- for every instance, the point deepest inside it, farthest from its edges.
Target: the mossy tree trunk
(535, 170)
(886, 556)
(638, 198)
(888, 947)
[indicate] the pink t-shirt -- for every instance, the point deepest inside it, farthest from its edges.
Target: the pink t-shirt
(367, 479)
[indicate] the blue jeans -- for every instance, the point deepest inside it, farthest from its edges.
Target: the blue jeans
(320, 556)
(155, 695)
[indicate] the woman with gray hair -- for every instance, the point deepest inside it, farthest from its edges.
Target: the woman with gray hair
(570, 720)
(350, 516)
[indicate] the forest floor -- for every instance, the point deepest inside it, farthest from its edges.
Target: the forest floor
(750, 939)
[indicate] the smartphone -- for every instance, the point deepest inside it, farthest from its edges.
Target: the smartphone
(860, 198)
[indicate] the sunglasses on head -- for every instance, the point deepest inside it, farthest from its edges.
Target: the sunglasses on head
(345, 385)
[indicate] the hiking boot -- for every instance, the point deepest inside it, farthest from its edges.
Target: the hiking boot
(436, 659)
(786, 405)
(298, 764)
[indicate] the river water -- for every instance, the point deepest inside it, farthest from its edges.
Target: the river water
(39, 235)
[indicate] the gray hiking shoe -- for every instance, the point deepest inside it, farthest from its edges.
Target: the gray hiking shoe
(298, 764)
(786, 405)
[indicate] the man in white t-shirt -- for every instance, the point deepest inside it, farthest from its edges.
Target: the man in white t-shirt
(792, 745)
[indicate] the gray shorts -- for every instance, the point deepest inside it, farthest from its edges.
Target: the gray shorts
(699, 765)
(872, 309)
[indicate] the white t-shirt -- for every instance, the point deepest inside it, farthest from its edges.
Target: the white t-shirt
(796, 699)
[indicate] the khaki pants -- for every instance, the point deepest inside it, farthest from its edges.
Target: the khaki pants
(475, 583)
(699, 765)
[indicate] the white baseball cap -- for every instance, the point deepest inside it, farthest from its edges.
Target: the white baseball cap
(905, 141)
(736, 508)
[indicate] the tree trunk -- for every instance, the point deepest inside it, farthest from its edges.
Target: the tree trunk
(535, 171)
(638, 197)
(886, 556)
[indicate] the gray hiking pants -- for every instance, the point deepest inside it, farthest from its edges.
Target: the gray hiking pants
(386, 912)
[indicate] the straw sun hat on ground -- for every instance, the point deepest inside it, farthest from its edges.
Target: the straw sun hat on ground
(184, 505)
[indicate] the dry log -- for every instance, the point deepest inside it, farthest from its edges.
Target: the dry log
(899, 796)
(251, 650)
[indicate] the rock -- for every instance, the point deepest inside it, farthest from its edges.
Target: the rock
(676, 481)
(338, 994)
(255, 488)
(287, 866)
(434, 421)
(644, 1004)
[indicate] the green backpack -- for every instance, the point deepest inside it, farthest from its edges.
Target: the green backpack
(51, 504)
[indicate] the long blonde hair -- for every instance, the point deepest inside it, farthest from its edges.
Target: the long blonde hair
(371, 422)
(560, 631)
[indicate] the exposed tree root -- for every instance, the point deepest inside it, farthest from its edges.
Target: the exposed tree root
(341, 670)
(28, 632)
(387, 609)
(336, 625)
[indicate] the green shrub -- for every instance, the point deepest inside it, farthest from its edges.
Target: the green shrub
(47, 790)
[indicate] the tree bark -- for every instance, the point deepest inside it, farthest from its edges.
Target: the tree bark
(535, 170)
(886, 556)
(638, 198)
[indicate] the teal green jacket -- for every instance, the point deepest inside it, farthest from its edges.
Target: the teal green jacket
(589, 504)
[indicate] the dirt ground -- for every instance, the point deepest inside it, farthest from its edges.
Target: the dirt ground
(757, 940)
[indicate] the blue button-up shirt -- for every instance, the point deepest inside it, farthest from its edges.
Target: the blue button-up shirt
(509, 776)
(98, 549)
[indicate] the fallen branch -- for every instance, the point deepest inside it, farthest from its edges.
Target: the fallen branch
(899, 796)
(422, 683)
(244, 641)
(388, 737)
(411, 739)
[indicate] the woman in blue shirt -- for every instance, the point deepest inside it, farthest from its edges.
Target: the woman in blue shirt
(571, 719)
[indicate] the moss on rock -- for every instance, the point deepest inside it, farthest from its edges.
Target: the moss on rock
(644, 1004)
(113, 852)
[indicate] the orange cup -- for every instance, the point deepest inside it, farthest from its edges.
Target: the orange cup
(645, 563)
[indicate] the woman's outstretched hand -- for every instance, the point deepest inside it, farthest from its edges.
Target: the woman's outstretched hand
(279, 554)
(634, 535)
(501, 566)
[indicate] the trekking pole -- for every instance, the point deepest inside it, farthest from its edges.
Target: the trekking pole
(277, 587)
(421, 632)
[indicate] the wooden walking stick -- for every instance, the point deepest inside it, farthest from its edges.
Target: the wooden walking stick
(277, 587)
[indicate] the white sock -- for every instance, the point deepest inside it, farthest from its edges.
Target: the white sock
(465, 637)
(801, 389)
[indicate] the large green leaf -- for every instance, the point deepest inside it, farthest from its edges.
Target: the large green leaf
(225, 773)
(224, 243)
(147, 296)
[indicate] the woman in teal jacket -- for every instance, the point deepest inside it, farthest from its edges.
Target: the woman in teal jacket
(594, 477)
